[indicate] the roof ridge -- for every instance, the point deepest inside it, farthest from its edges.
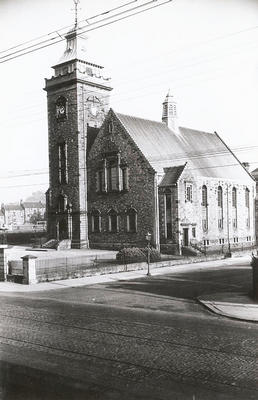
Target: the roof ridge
(196, 130)
(143, 119)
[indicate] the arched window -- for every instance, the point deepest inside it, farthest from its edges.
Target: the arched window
(234, 207)
(220, 199)
(112, 221)
(204, 196)
(234, 197)
(204, 208)
(220, 207)
(61, 107)
(247, 205)
(62, 201)
(131, 219)
(95, 221)
(247, 198)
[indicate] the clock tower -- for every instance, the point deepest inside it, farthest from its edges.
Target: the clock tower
(78, 100)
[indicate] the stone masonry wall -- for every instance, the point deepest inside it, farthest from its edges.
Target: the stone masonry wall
(241, 236)
(73, 131)
(140, 194)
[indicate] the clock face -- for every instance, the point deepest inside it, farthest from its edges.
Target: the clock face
(60, 110)
(94, 109)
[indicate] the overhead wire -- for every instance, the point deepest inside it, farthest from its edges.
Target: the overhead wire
(8, 58)
(65, 27)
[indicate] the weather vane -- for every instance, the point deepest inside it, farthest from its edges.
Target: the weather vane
(76, 2)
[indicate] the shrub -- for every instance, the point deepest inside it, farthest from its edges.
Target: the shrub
(154, 254)
(130, 255)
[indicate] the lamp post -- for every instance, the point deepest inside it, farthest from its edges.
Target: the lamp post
(148, 239)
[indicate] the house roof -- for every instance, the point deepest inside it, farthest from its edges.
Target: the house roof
(205, 153)
(172, 175)
(13, 207)
(33, 204)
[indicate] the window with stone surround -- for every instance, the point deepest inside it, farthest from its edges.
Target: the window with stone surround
(204, 208)
(247, 206)
(234, 207)
(61, 108)
(168, 213)
(62, 163)
(220, 207)
(95, 221)
(112, 221)
(110, 127)
(131, 220)
(112, 176)
(188, 192)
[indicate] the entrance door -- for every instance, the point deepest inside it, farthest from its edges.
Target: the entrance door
(63, 229)
(186, 236)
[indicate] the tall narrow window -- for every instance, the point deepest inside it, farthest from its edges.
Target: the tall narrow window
(204, 196)
(131, 220)
(188, 192)
(247, 206)
(234, 207)
(168, 214)
(95, 221)
(112, 177)
(112, 221)
(110, 127)
(204, 208)
(62, 163)
(124, 178)
(220, 207)
(62, 200)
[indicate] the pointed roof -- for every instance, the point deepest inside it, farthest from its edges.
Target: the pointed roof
(75, 47)
(172, 174)
(205, 153)
(169, 96)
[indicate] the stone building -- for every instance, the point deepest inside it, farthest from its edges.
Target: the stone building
(114, 177)
(78, 100)
(184, 186)
(255, 176)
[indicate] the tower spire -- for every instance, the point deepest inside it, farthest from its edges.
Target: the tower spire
(76, 2)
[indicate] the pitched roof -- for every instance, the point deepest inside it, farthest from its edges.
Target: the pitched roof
(205, 153)
(13, 207)
(33, 204)
(172, 175)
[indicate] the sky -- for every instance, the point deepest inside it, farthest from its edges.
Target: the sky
(205, 51)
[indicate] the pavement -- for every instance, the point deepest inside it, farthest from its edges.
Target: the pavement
(232, 305)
